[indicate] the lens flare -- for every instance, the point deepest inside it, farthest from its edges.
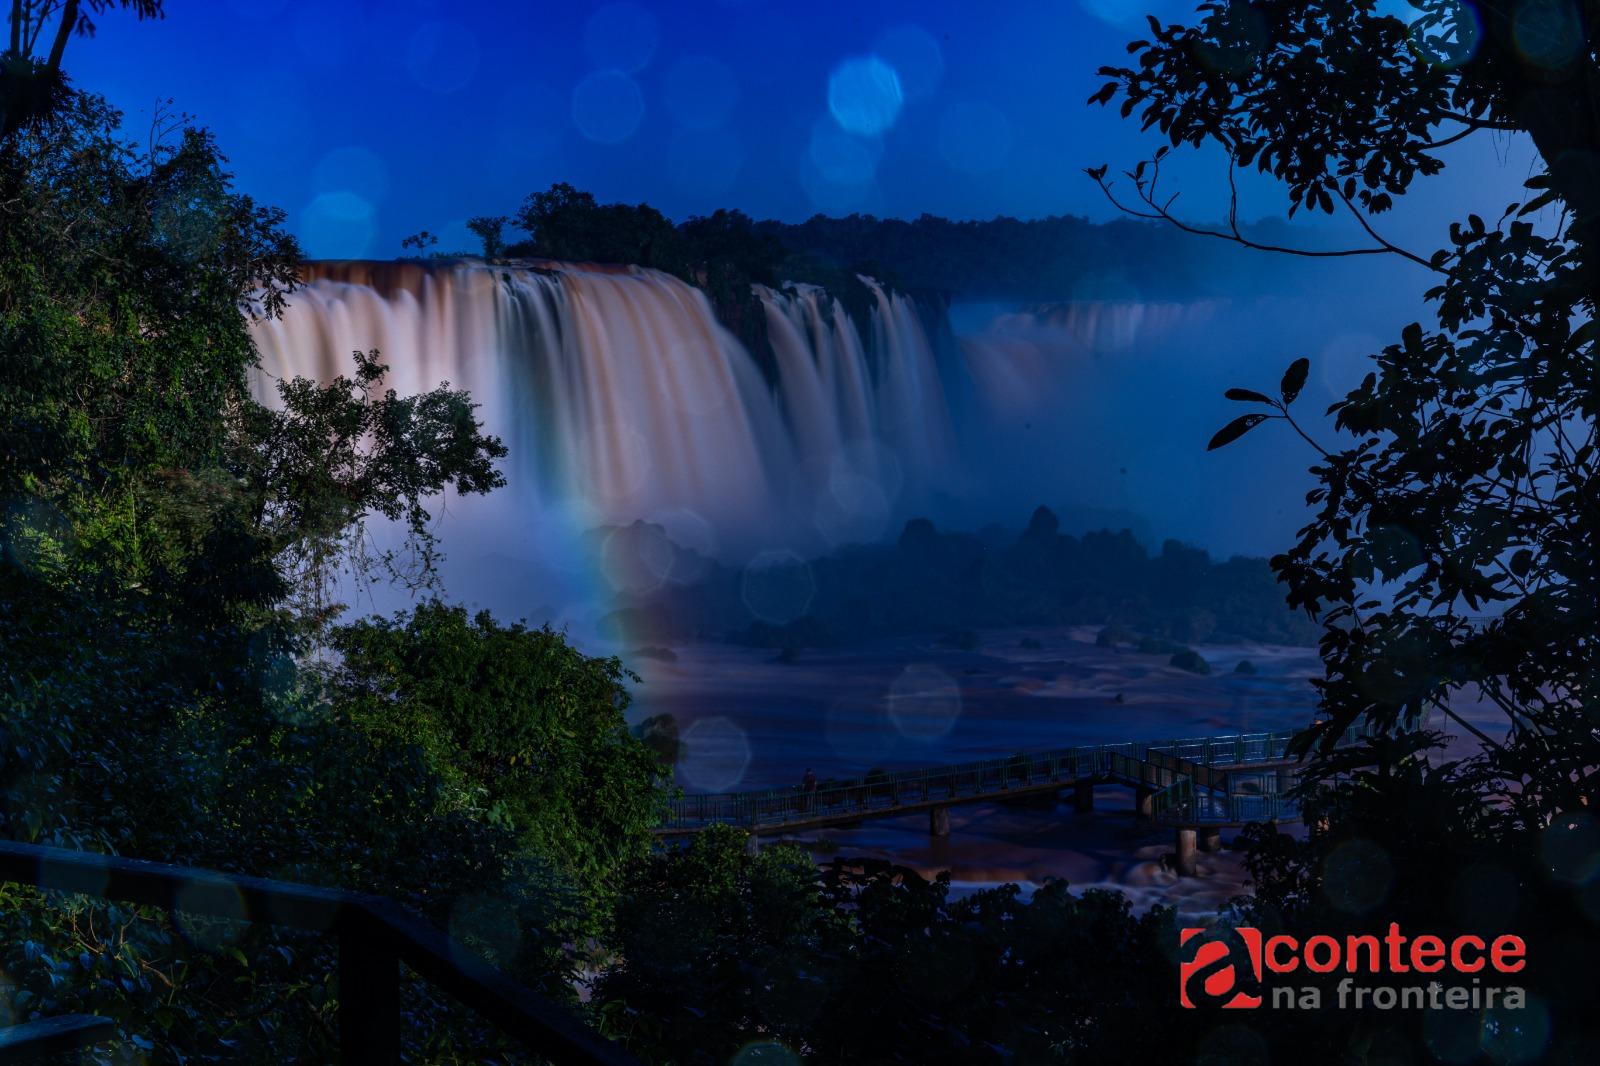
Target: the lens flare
(865, 96)
(924, 702)
(715, 754)
(607, 107)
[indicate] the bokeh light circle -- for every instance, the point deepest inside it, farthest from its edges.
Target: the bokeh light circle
(1548, 33)
(715, 754)
(1356, 876)
(852, 507)
(916, 58)
(924, 702)
(1450, 36)
(636, 558)
(607, 106)
(841, 159)
(338, 225)
(778, 586)
(621, 36)
(864, 95)
(1515, 1034)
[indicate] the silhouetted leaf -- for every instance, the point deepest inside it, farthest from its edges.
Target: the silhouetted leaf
(1234, 430)
(1247, 396)
(1294, 379)
(1544, 198)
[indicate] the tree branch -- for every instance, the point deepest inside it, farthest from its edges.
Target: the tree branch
(1162, 213)
(69, 19)
(1396, 249)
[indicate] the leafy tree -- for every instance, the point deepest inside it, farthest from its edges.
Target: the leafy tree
(420, 242)
(566, 223)
(1465, 480)
(313, 469)
(32, 85)
(1471, 480)
(154, 523)
(530, 730)
(490, 229)
(862, 961)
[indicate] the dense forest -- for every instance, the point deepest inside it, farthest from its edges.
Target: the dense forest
(948, 585)
(1058, 258)
(935, 259)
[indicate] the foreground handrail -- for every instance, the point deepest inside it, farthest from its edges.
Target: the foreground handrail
(375, 936)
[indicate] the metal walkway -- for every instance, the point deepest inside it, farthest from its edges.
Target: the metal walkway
(1214, 781)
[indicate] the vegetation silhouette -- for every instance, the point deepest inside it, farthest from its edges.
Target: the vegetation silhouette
(948, 585)
(1463, 482)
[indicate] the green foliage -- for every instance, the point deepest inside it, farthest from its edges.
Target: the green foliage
(157, 528)
(528, 729)
(866, 962)
(314, 468)
(420, 243)
(32, 86)
(660, 734)
(490, 229)
(1462, 483)
(1465, 483)
(569, 224)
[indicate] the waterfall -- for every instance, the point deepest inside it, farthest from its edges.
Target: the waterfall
(1019, 359)
(622, 397)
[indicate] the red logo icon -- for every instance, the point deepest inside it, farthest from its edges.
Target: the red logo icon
(1219, 968)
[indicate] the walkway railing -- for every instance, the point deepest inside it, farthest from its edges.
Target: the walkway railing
(1188, 801)
(375, 936)
(1157, 764)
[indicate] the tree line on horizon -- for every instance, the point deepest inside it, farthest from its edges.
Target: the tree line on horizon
(948, 584)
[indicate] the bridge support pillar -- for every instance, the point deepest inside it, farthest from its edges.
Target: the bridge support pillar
(1210, 838)
(1144, 801)
(1185, 845)
(939, 822)
(1083, 797)
(752, 845)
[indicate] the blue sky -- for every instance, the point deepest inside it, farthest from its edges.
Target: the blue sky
(368, 121)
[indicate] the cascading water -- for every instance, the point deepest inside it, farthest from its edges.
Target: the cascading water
(1016, 358)
(622, 397)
